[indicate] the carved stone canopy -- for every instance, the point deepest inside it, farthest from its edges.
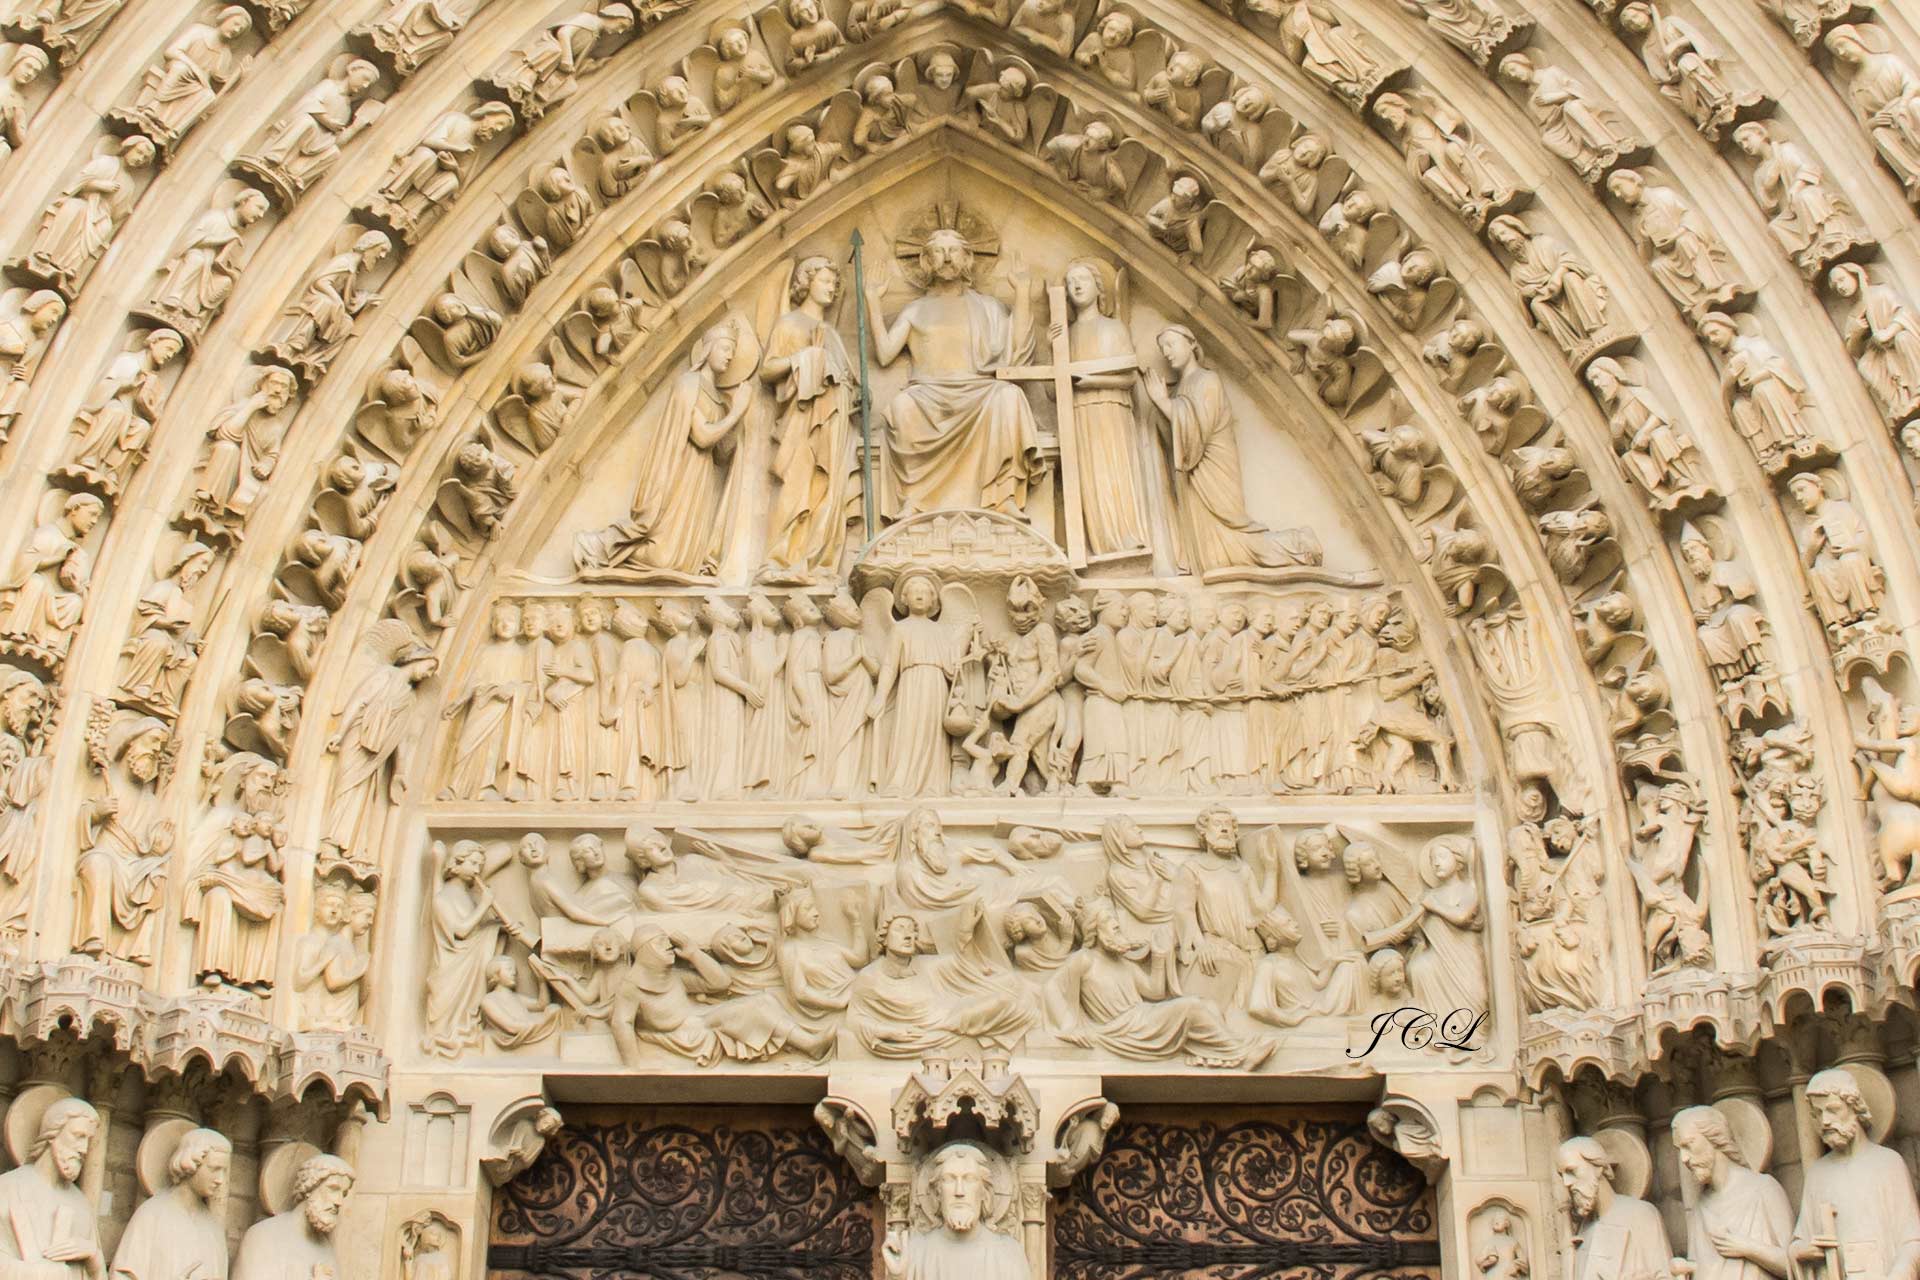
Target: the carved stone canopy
(949, 1099)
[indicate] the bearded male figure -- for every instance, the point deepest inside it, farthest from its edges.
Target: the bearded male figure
(48, 1229)
(963, 1246)
(957, 436)
(1858, 1216)
(298, 1244)
(1615, 1236)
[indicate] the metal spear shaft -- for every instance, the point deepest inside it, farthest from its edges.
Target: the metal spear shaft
(866, 401)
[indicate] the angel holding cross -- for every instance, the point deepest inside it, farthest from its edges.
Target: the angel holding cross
(1105, 423)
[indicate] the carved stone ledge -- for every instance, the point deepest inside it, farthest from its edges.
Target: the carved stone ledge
(1740, 1010)
(1687, 998)
(1812, 966)
(968, 546)
(221, 1028)
(79, 998)
(344, 1062)
(1899, 943)
(1567, 1043)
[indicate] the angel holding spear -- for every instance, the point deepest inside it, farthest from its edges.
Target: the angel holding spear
(806, 364)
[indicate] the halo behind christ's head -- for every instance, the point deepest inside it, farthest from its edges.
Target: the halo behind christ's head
(1001, 1207)
(912, 239)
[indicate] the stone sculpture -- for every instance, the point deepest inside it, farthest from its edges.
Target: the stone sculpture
(1456, 169)
(314, 328)
(369, 739)
(1590, 137)
(1073, 745)
(671, 534)
(957, 436)
(1742, 1221)
(112, 429)
(178, 1231)
(1563, 296)
(808, 367)
(1848, 584)
(429, 176)
(965, 1241)
(126, 848)
(1688, 259)
(1858, 1214)
(297, 1243)
(51, 1229)
(67, 27)
(546, 69)
(332, 961)
(195, 283)
(1688, 67)
(1654, 453)
(412, 33)
(1813, 221)
(30, 317)
(198, 64)
(1217, 536)
(161, 653)
(1884, 337)
(1616, 1234)
(80, 223)
(1885, 93)
(303, 145)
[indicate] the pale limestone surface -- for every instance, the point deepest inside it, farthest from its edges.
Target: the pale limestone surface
(444, 653)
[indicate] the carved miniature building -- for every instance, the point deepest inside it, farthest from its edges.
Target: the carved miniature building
(1021, 637)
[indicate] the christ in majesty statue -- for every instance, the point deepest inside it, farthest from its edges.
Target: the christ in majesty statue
(957, 436)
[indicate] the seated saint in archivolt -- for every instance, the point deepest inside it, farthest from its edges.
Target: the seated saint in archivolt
(957, 436)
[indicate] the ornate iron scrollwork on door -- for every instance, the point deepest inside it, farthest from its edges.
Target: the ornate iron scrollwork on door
(684, 1202)
(1247, 1200)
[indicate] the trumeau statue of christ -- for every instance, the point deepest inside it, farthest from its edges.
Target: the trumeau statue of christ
(956, 435)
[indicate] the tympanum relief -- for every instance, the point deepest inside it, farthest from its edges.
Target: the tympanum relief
(926, 688)
(730, 940)
(963, 645)
(1030, 570)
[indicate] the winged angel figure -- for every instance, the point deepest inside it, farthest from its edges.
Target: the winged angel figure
(940, 660)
